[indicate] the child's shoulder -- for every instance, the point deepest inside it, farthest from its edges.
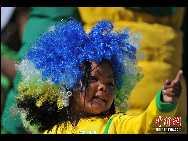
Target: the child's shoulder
(118, 116)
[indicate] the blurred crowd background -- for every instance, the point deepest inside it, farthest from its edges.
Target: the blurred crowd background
(164, 40)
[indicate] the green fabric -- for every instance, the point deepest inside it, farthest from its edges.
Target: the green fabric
(56, 13)
(3, 131)
(10, 118)
(5, 83)
(8, 53)
(107, 126)
(39, 21)
(162, 106)
(155, 11)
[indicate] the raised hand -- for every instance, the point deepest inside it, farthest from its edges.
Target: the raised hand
(171, 90)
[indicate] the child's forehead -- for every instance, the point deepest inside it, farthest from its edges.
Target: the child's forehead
(101, 65)
(103, 68)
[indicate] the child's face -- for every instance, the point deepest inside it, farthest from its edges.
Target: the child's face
(99, 93)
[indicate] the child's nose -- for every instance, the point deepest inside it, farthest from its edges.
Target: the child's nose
(102, 87)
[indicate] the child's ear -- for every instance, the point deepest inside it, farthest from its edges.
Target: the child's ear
(78, 88)
(81, 84)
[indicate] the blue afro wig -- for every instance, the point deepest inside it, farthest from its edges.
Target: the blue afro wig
(59, 53)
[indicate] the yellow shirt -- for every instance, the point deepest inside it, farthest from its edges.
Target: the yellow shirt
(121, 123)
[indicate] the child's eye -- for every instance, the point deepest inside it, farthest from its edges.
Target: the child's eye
(111, 84)
(93, 78)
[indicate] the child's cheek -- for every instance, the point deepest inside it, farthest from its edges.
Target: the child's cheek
(91, 90)
(110, 94)
(93, 86)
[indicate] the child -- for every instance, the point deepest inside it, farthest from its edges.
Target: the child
(75, 82)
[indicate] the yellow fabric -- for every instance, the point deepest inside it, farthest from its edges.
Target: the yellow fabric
(162, 43)
(121, 123)
(93, 14)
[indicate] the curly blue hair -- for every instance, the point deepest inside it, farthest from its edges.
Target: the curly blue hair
(60, 59)
(60, 52)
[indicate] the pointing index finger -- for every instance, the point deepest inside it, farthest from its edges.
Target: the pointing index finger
(179, 76)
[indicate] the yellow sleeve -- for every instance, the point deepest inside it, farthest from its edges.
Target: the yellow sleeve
(146, 122)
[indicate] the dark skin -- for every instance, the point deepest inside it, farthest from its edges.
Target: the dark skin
(100, 93)
(172, 89)
(8, 68)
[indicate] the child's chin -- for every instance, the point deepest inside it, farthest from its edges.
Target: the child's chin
(96, 109)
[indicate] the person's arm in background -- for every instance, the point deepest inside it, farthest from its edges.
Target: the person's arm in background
(8, 68)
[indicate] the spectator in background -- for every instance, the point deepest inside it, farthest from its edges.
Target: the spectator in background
(39, 21)
(13, 21)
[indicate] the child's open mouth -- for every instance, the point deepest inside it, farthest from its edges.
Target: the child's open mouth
(99, 99)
